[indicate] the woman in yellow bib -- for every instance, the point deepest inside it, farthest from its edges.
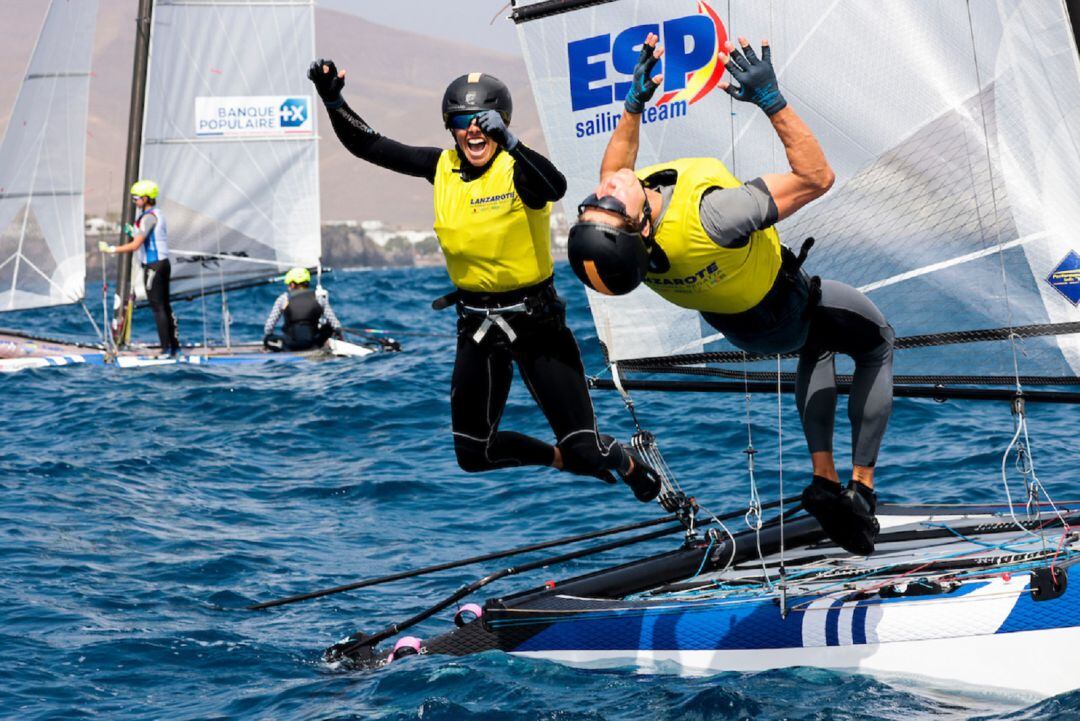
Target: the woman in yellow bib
(493, 200)
(701, 239)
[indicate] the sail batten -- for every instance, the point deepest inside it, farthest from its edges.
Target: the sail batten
(952, 127)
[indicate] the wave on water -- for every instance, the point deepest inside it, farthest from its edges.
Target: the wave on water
(142, 511)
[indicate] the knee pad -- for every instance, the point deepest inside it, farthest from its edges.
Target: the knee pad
(582, 454)
(471, 455)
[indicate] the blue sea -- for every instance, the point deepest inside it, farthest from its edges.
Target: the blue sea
(143, 510)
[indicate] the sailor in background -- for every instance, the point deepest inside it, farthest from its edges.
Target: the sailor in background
(149, 237)
(493, 200)
(309, 319)
(703, 240)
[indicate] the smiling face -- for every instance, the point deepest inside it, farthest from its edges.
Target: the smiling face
(625, 187)
(476, 147)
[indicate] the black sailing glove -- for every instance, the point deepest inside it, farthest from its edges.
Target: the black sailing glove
(327, 83)
(493, 126)
(643, 87)
(756, 78)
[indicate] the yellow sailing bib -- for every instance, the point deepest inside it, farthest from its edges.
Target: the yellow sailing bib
(492, 241)
(704, 276)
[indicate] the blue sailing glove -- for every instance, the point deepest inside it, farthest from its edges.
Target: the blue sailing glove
(756, 78)
(495, 128)
(642, 87)
(327, 83)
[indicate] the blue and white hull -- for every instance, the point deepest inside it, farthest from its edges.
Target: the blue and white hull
(957, 595)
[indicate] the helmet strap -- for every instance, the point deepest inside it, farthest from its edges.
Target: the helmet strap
(646, 217)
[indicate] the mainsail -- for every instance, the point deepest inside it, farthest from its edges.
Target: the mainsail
(42, 253)
(230, 136)
(953, 128)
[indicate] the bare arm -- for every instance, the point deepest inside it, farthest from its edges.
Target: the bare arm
(622, 149)
(132, 245)
(142, 228)
(810, 175)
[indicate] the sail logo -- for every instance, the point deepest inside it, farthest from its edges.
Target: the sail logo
(254, 115)
(690, 65)
(1065, 278)
(294, 112)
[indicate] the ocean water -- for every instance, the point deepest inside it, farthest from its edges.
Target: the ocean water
(141, 511)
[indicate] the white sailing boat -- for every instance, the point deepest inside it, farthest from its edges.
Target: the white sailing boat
(954, 131)
(228, 131)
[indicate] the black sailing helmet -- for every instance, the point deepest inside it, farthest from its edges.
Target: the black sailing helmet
(610, 260)
(475, 92)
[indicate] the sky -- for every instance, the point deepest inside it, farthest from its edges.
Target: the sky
(467, 21)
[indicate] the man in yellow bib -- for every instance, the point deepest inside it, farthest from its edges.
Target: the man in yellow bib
(701, 239)
(493, 200)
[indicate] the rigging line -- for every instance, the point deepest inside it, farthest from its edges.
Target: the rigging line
(93, 323)
(993, 196)
(1026, 465)
(780, 444)
(202, 297)
(753, 518)
(903, 343)
(806, 37)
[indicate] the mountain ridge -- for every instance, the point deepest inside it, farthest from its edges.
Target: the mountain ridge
(398, 92)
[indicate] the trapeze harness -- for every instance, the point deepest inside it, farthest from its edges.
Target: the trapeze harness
(759, 297)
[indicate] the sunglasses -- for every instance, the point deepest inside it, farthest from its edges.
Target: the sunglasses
(609, 203)
(462, 122)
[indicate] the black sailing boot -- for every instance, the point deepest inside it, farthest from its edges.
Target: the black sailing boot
(859, 502)
(821, 499)
(643, 479)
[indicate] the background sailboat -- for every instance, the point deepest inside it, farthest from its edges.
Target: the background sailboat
(228, 131)
(42, 164)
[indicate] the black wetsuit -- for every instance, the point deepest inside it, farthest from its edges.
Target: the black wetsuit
(156, 277)
(543, 348)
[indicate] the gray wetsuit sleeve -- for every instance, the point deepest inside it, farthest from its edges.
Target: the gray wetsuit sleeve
(730, 215)
(275, 313)
(328, 315)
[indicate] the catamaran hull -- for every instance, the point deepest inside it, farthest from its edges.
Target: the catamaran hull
(22, 353)
(995, 636)
(959, 596)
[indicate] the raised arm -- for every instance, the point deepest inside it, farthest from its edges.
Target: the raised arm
(536, 179)
(361, 139)
(810, 175)
(622, 148)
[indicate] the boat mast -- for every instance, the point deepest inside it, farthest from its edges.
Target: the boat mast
(1072, 7)
(125, 297)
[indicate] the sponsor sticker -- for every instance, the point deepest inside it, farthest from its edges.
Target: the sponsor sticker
(1066, 277)
(601, 68)
(258, 115)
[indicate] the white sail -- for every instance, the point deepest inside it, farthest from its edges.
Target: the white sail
(953, 128)
(230, 137)
(42, 237)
